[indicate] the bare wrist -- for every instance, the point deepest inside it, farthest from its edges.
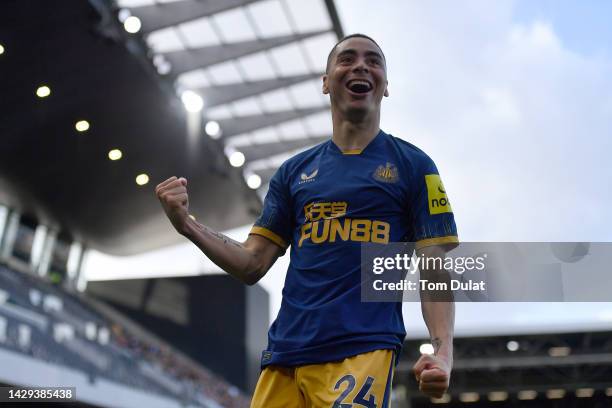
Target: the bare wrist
(187, 227)
(446, 356)
(443, 347)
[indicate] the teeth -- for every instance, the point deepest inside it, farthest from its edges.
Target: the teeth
(358, 82)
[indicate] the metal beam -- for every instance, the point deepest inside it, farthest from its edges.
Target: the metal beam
(263, 150)
(242, 124)
(333, 15)
(187, 60)
(159, 16)
(221, 94)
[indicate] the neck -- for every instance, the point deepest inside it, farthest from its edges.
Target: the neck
(354, 135)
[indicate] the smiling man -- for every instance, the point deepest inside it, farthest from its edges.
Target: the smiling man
(327, 348)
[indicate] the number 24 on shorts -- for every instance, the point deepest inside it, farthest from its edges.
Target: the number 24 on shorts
(360, 398)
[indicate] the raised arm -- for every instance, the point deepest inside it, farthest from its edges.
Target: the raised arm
(248, 261)
(433, 371)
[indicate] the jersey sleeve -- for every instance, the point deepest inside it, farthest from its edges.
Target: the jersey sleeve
(431, 215)
(274, 223)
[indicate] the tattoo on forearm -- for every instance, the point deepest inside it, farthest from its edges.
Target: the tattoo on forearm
(226, 240)
(436, 342)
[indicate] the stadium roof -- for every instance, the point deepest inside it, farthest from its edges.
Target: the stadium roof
(255, 64)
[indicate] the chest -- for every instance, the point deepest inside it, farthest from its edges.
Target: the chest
(351, 186)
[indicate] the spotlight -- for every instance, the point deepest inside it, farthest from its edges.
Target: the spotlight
(426, 348)
(497, 396)
(446, 398)
(512, 345)
(192, 101)
(585, 392)
(555, 394)
(469, 397)
(1, 49)
(142, 179)
(132, 24)
(164, 68)
(43, 91)
(82, 125)
(158, 59)
(161, 64)
(253, 181)
(559, 351)
(123, 15)
(115, 154)
(213, 129)
(526, 395)
(237, 159)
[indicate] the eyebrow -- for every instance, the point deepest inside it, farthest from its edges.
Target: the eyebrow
(352, 51)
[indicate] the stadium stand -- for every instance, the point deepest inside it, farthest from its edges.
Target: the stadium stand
(48, 324)
(540, 370)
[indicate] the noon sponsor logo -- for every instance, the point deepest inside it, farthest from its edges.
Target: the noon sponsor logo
(436, 195)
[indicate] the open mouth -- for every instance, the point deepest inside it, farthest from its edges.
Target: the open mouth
(359, 86)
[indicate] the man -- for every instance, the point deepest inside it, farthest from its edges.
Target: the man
(326, 347)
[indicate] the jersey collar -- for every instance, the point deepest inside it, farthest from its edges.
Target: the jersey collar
(377, 140)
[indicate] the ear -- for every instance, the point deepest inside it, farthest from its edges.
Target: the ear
(386, 89)
(325, 85)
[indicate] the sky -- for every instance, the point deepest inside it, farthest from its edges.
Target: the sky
(517, 122)
(513, 101)
(584, 28)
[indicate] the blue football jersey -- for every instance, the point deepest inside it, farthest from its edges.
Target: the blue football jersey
(324, 203)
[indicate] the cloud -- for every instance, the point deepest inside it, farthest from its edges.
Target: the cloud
(518, 123)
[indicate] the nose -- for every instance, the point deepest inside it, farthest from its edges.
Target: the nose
(360, 66)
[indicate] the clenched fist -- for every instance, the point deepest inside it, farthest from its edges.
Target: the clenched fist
(433, 375)
(172, 194)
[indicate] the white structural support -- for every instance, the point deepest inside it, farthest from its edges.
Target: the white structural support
(10, 234)
(4, 212)
(38, 245)
(47, 252)
(74, 267)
